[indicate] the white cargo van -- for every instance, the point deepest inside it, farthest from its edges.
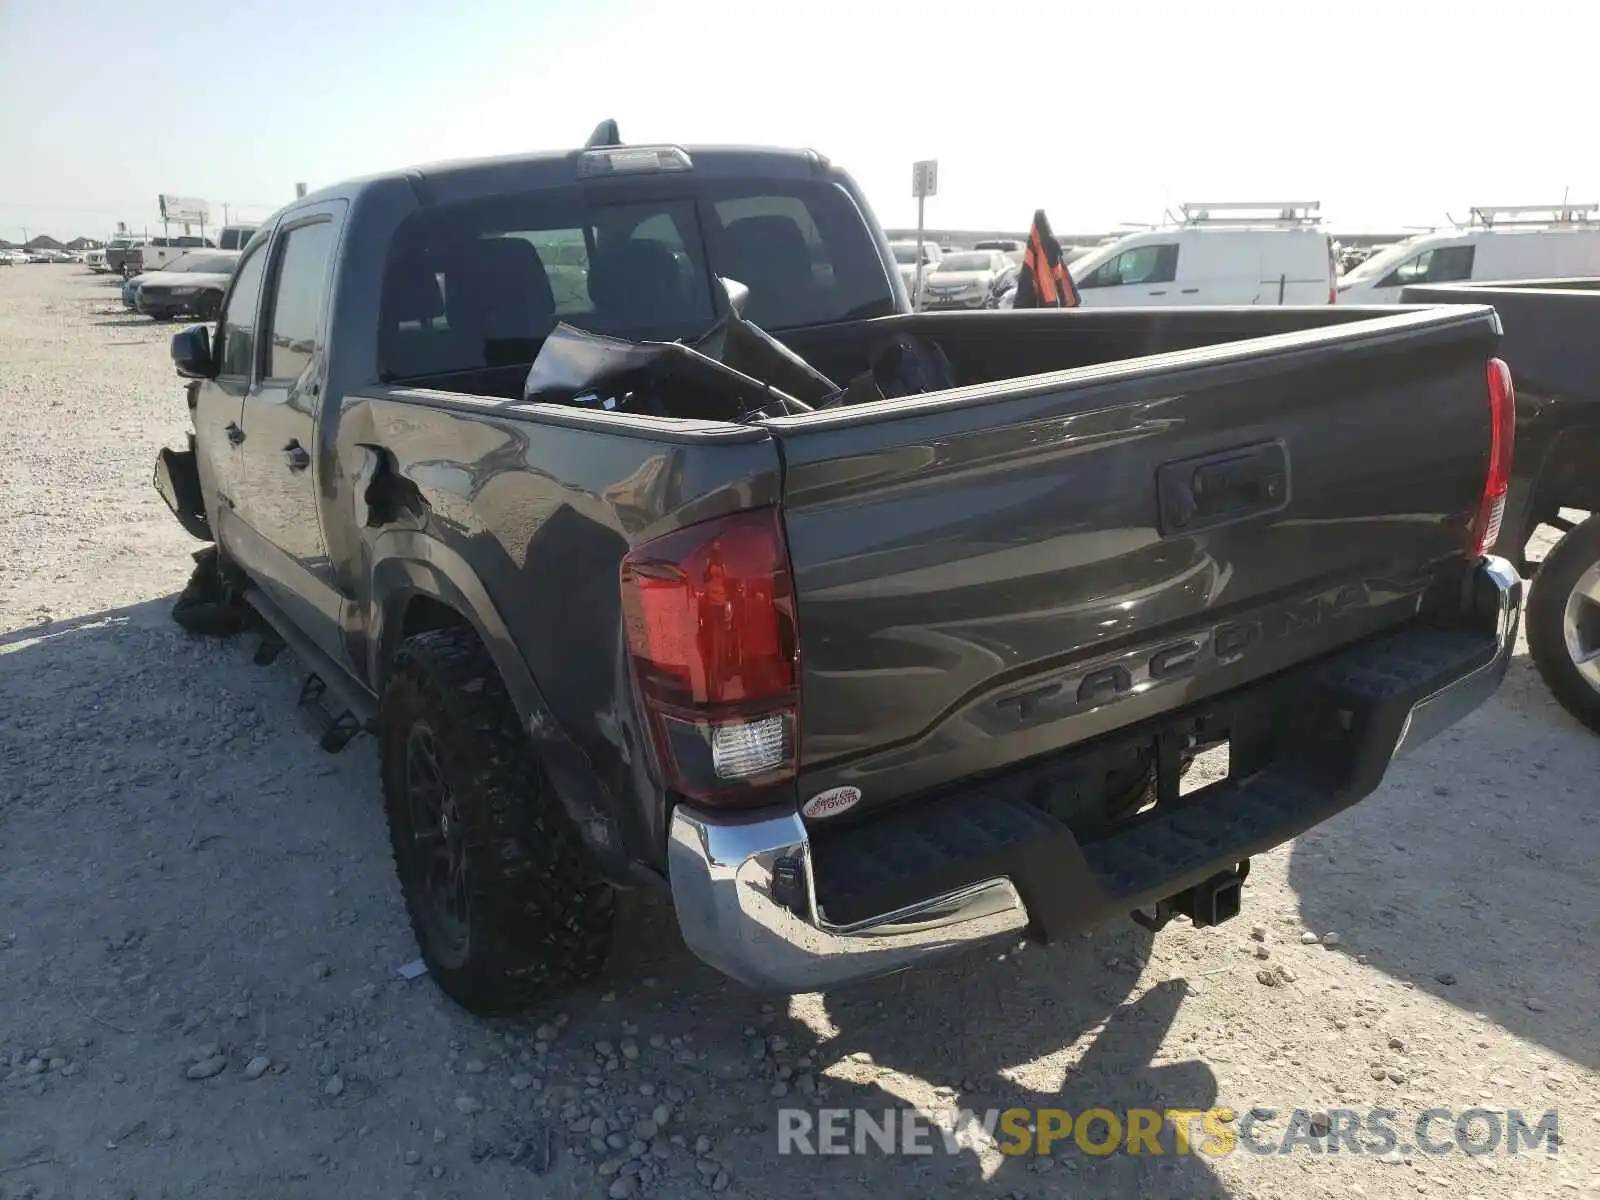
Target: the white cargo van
(1217, 254)
(1522, 242)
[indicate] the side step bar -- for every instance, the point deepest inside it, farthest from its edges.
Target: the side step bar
(333, 705)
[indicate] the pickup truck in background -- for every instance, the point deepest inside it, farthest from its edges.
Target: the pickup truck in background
(158, 253)
(1549, 326)
(855, 684)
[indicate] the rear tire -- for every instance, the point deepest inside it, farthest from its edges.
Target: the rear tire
(504, 901)
(1563, 620)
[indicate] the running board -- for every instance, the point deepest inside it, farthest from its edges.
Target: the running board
(334, 706)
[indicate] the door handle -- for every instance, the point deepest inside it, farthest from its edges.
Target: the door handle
(296, 456)
(1159, 292)
(1191, 291)
(235, 434)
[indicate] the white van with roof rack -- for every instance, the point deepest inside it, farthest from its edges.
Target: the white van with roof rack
(1231, 253)
(1529, 241)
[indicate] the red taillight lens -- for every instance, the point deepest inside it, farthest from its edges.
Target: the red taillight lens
(1502, 433)
(710, 621)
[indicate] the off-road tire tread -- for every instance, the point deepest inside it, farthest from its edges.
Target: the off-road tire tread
(541, 917)
(1558, 574)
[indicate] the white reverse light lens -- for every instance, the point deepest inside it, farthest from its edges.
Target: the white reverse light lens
(749, 748)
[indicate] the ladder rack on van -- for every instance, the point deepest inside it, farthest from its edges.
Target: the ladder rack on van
(1288, 214)
(1526, 215)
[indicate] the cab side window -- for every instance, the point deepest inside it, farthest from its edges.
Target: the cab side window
(1140, 264)
(236, 332)
(1443, 264)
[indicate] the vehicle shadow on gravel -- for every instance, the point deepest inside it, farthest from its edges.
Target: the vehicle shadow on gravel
(950, 1037)
(156, 758)
(1470, 874)
(123, 322)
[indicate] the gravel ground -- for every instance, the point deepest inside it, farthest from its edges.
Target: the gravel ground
(200, 934)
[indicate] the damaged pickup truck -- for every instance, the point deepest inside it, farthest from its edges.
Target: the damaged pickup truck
(620, 494)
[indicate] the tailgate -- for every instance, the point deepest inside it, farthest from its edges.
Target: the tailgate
(1001, 571)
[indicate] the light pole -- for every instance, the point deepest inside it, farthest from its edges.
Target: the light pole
(924, 183)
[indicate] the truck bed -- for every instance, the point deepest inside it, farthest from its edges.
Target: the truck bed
(990, 574)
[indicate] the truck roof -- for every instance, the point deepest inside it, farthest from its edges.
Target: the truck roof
(470, 178)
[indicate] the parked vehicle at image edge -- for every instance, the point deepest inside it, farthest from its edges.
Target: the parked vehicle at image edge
(855, 685)
(1522, 242)
(190, 286)
(968, 279)
(1234, 253)
(1549, 344)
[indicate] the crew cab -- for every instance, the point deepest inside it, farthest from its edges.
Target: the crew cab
(1549, 344)
(855, 680)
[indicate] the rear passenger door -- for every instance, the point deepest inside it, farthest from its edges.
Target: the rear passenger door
(282, 460)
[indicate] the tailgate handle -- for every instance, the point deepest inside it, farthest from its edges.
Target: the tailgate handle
(1221, 488)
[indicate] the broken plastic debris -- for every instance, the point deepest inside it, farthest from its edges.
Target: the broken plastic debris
(414, 969)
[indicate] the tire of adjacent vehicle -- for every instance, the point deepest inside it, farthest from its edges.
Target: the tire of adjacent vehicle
(538, 918)
(207, 605)
(1559, 573)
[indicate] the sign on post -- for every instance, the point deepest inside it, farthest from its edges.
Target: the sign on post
(924, 183)
(184, 210)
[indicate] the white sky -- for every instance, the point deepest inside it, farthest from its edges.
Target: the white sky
(1390, 114)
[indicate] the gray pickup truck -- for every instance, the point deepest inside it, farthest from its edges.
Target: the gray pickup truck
(855, 681)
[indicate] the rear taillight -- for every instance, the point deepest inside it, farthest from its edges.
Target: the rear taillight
(1502, 431)
(710, 620)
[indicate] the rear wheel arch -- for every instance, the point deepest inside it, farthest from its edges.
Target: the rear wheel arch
(1564, 476)
(1567, 476)
(412, 596)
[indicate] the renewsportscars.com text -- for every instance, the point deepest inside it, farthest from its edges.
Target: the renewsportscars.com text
(1213, 1131)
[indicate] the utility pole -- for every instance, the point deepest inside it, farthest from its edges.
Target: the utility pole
(224, 212)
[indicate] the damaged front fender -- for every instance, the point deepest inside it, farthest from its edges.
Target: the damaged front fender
(177, 478)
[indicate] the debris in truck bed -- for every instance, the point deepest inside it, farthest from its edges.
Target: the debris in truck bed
(735, 371)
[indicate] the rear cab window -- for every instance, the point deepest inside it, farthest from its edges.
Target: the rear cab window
(481, 284)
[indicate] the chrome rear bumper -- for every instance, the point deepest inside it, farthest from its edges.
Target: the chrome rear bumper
(723, 870)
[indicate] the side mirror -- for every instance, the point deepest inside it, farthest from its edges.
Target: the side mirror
(191, 353)
(736, 294)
